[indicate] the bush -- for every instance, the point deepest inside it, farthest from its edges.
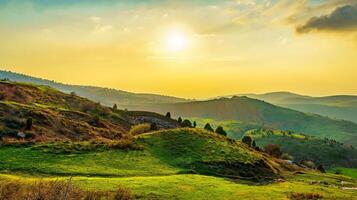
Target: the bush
(29, 123)
(179, 120)
(168, 115)
(115, 107)
(247, 140)
(153, 127)
(194, 124)
(304, 196)
(208, 127)
(140, 129)
(273, 150)
(221, 131)
(123, 194)
(286, 156)
(186, 123)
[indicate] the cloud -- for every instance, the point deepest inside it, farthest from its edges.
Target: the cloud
(341, 19)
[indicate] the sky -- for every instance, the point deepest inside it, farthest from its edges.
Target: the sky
(192, 49)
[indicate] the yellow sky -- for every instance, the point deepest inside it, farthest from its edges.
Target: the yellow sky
(194, 50)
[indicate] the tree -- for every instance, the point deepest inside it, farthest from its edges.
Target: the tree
(153, 127)
(168, 115)
(254, 144)
(247, 140)
(195, 124)
(221, 131)
(186, 123)
(179, 120)
(273, 150)
(115, 107)
(208, 127)
(29, 123)
(321, 169)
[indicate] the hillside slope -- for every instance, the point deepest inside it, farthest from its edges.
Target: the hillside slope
(106, 96)
(339, 106)
(55, 115)
(327, 152)
(249, 110)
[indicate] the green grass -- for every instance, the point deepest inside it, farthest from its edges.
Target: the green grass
(161, 170)
(351, 172)
(208, 187)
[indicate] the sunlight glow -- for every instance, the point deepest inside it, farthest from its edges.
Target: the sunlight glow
(176, 41)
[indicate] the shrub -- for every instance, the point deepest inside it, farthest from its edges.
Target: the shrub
(247, 140)
(308, 163)
(221, 131)
(194, 124)
(273, 150)
(287, 156)
(153, 127)
(304, 196)
(168, 115)
(179, 120)
(140, 129)
(186, 123)
(321, 169)
(123, 193)
(115, 107)
(29, 123)
(208, 127)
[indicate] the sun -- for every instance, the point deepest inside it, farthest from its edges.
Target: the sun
(176, 41)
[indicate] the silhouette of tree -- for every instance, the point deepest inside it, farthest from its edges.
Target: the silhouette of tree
(208, 127)
(168, 115)
(221, 131)
(179, 120)
(186, 123)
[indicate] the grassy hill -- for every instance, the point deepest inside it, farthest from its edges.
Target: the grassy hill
(339, 106)
(254, 111)
(172, 164)
(302, 147)
(59, 116)
(105, 96)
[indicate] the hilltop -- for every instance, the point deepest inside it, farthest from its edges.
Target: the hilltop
(105, 96)
(248, 110)
(55, 115)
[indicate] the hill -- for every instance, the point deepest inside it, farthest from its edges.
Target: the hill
(338, 106)
(105, 96)
(40, 113)
(302, 147)
(172, 164)
(254, 111)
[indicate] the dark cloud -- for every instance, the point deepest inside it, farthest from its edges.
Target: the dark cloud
(341, 19)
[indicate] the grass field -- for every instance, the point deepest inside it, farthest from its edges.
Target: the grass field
(164, 169)
(351, 172)
(187, 186)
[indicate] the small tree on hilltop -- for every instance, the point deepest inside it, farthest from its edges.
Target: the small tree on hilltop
(273, 150)
(208, 127)
(115, 107)
(247, 140)
(179, 120)
(186, 123)
(221, 131)
(194, 124)
(168, 115)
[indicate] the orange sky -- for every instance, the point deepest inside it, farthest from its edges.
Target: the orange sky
(194, 50)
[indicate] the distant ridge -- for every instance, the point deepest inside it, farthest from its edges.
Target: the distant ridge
(106, 96)
(335, 106)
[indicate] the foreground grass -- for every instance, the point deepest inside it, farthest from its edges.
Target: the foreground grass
(207, 187)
